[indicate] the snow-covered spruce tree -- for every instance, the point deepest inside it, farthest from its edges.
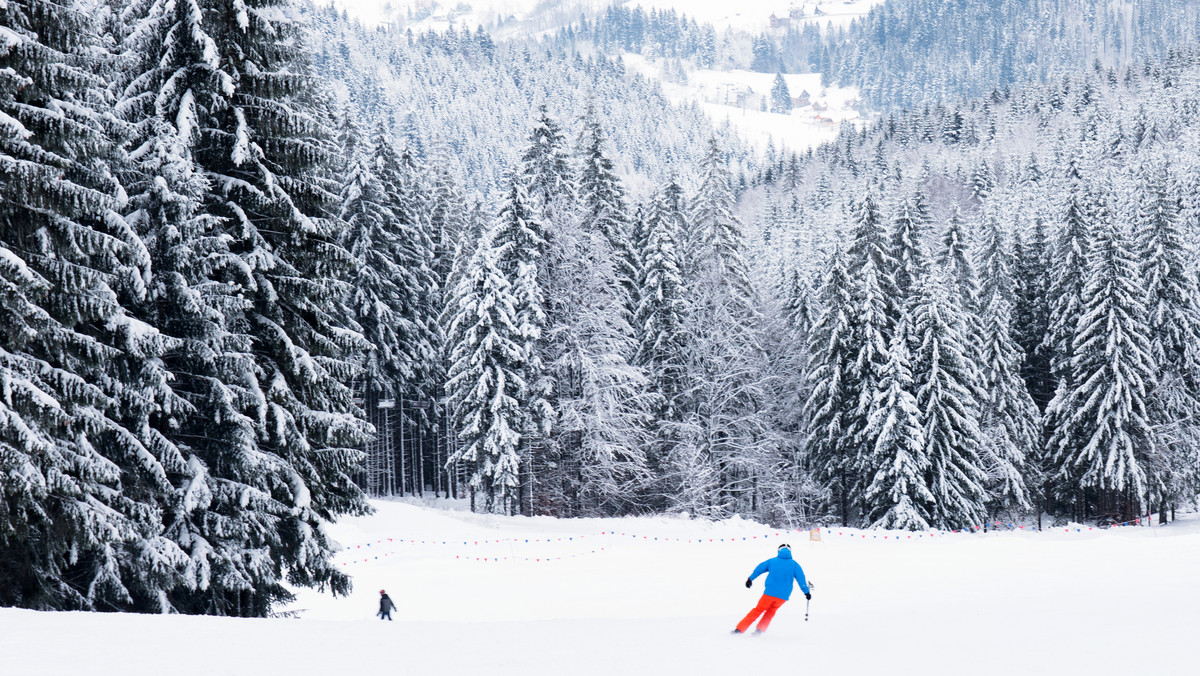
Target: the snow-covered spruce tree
(955, 257)
(548, 204)
(1115, 371)
(945, 380)
(546, 170)
(714, 243)
(486, 384)
(869, 242)
(519, 237)
(448, 227)
(1068, 267)
(907, 248)
(659, 326)
(873, 310)
(996, 262)
(71, 537)
(1031, 320)
(896, 495)
(1009, 420)
(983, 180)
(831, 404)
(1167, 256)
(380, 283)
(193, 299)
(603, 201)
(781, 98)
(873, 331)
(412, 201)
(799, 306)
(375, 295)
(238, 75)
(413, 252)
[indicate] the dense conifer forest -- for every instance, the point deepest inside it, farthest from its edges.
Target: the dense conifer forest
(260, 263)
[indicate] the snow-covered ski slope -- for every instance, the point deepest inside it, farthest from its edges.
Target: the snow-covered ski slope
(1119, 601)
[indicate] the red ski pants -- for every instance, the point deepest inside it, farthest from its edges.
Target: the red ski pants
(766, 607)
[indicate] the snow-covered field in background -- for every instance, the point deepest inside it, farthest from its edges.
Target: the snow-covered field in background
(717, 92)
(1096, 602)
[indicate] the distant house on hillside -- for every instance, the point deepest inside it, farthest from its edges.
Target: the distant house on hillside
(796, 13)
(802, 100)
(819, 107)
(780, 22)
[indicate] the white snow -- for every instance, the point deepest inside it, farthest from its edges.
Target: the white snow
(1078, 602)
(735, 96)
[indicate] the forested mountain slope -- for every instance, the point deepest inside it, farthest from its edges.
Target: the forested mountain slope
(470, 99)
(1041, 241)
(906, 52)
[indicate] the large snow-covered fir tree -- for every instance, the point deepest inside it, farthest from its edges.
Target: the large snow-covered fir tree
(833, 400)
(1009, 420)
(659, 328)
(603, 201)
(1115, 372)
(1165, 214)
(486, 384)
(72, 532)
(233, 80)
(896, 495)
(944, 379)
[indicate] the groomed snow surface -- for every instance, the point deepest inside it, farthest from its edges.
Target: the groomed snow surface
(1095, 602)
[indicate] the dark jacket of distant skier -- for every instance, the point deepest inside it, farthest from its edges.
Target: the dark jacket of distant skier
(780, 571)
(385, 605)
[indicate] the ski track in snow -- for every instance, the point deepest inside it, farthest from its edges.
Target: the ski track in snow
(1118, 601)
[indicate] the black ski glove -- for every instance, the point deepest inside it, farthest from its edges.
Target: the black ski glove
(808, 597)
(748, 583)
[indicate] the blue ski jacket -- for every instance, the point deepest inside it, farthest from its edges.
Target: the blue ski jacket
(780, 571)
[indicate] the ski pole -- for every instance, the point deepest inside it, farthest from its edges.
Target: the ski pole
(807, 600)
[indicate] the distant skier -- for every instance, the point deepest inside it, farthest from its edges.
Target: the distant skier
(385, 606)
(780, 571)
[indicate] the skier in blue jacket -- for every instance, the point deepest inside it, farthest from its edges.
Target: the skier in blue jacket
(781, 571)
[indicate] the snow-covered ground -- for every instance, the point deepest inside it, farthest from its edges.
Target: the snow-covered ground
(603, 596)
(735, 96)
